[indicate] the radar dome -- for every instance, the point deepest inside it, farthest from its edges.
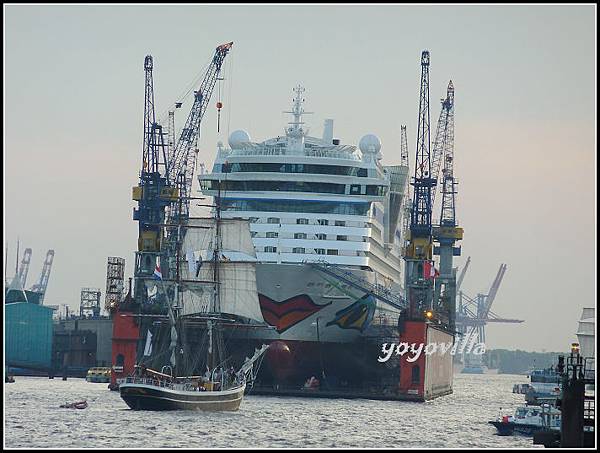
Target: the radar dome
(238, 138)
(370, 143)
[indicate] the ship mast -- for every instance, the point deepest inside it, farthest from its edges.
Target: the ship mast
(294, 132)
(216, 308)
(173, 315)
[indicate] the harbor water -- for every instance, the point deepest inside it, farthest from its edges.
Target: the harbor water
(33, 419)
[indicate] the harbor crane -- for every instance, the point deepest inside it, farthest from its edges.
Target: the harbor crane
(154, 193)
(166, 176)
(418, 252)
(42, 284)
(447, 232)
(474, 313)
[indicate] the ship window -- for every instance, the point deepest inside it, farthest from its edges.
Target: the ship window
(273, 220)
(302, 221)
(355, 189)
(340, 223)
(312, 206)
(272, 234)
(299, 235)
(321, 236)
(282, 186)
(298, 250)
(253, 234)
(376, 190)
(270, 249)
(320, 251)
(332, 252)
(342, 238)
(323, 222)
(254, 167)
(416, 374)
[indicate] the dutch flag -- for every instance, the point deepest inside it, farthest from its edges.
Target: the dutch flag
(157, 273)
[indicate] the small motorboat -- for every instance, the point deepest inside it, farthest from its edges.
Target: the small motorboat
(528, 420)
(77, 405)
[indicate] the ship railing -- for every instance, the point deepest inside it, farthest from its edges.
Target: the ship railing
(278, 151)
(148, 381)
(380, 292)
(164, 384)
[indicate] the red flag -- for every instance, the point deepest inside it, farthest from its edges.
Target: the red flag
(429, 270)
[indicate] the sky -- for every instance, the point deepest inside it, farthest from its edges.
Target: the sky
(525, 136)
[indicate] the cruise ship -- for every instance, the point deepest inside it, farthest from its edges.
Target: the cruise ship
(317, 200)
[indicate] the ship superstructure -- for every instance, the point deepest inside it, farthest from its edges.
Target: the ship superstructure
(313, 198)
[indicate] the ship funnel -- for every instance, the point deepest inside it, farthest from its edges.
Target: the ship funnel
(328, 131)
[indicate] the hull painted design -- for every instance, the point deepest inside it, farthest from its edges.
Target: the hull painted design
(287, 282)
(339, 344)
(151, 397)
(286, 314)
(357, 316)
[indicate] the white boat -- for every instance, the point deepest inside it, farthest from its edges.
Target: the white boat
(528, 420)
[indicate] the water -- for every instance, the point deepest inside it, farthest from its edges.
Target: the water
(33, 419)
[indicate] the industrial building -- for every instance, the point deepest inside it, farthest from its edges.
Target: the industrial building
(28, 335)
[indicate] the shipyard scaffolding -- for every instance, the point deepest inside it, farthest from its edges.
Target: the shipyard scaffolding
(115, 273)
(90, 302)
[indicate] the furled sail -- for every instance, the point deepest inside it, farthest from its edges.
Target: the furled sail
(237, 269)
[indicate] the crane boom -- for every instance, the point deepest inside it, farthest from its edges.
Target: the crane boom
(462, 273)
(420, 223)
(444, 136)
(448, 214)
(42, 284)
(24, 268)
(403, 146)
(493, 290)
(154, 152)
(182, 162)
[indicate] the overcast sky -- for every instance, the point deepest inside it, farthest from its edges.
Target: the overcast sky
(525, 81)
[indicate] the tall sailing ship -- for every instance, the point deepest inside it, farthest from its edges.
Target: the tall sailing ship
(214, 281)
(326, 225)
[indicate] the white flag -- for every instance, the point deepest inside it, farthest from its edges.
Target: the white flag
(148, 348)
(191, 259)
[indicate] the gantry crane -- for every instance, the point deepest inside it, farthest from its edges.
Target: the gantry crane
(418, 251)
(474, 313)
